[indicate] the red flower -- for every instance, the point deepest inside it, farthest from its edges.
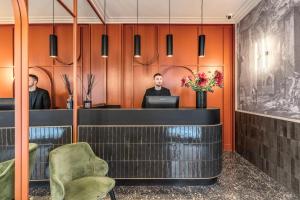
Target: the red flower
(218, 78)
(183, 82)
(201, 75)
(202, 79)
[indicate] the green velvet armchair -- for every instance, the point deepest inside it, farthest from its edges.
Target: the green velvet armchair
(7, 174)
(76, 173)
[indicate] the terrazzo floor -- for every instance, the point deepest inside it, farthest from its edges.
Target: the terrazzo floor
(239, 180)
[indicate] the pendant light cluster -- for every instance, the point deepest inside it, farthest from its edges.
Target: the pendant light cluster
(169, 37)
(104, 48)
(201, 37)
(137, 37)
(53, 37)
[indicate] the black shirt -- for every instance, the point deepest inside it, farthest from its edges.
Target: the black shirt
(153, 92)
(39, 99)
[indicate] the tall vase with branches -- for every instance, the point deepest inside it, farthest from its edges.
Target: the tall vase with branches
(88, 92)
(68, 86)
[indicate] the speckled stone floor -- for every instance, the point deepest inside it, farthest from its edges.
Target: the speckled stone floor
(239, 180)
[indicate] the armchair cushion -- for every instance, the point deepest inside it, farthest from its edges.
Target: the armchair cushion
(7, 172)
(6, 179)
(89, 188)
(77, 173)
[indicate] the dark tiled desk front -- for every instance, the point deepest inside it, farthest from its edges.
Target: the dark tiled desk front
(155, 144)
(48, 128)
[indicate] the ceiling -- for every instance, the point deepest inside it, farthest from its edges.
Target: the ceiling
(124, 11)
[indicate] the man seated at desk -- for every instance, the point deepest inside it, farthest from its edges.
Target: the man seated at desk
(38, 97)
(157, 90)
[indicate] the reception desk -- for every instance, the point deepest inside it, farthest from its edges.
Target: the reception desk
(138, 144)
(156, 144)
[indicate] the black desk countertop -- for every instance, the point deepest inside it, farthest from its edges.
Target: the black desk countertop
(61, 117)
(183, 116)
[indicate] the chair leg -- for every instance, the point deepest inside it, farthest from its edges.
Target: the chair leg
(112, 195)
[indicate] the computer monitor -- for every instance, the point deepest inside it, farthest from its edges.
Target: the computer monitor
(7, 103)
(162, 102)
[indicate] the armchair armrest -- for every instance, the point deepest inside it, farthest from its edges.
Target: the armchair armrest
(5, 167)
(100, 167)
(57, 188)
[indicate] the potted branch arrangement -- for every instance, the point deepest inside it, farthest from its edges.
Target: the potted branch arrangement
(202, 83)
(67, 84)
(87, 103)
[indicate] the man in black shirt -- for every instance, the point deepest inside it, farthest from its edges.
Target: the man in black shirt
(157, 90)
(38, 97)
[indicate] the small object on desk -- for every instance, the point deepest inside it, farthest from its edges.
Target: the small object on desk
(87, 104)
(70, 102)
(103, 105)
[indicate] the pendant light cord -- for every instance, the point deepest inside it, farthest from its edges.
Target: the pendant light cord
(137, 16)
(169, 16)
(201, 17)
(52, 16)
(105, 17)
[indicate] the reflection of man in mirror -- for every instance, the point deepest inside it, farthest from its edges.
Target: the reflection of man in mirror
(38, 97)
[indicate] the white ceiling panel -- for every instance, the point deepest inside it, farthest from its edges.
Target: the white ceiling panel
(124, 11)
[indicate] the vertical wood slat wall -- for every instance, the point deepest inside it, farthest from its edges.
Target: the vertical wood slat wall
(124, 81)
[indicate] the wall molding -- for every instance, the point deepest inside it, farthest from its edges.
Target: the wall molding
(245, 9)
(269, 116)
(240, 13)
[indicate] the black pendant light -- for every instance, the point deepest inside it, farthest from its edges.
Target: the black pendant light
(104, 47)
(201, 37)
(169, 37)
(53, 38)
(137, 37)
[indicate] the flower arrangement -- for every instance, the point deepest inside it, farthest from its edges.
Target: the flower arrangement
(202, 82)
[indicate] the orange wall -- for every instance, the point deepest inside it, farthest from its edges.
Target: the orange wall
(120, 79)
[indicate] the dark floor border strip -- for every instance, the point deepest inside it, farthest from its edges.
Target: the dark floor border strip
(173, 182)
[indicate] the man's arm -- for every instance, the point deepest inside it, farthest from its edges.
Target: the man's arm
(144, 99)
(168, 93)
(46, 100)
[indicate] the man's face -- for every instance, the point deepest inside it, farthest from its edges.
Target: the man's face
(158, 81)
(32, 82)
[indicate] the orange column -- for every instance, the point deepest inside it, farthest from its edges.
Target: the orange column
(75, 96)
(21, 100)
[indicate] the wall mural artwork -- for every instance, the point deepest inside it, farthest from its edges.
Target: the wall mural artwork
(268, 76)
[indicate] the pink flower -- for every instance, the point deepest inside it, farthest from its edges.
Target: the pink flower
(201, 75)
(202, 79)
(218, 78)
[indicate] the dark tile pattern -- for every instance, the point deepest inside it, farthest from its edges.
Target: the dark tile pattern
(240, 180)
(157, 151)
(47, 138)
(272, 145)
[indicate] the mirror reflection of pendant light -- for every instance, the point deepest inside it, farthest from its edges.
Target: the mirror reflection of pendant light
(169, 37)
(137, 37)
(201, 37)
(53, 37)
(104, 47)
